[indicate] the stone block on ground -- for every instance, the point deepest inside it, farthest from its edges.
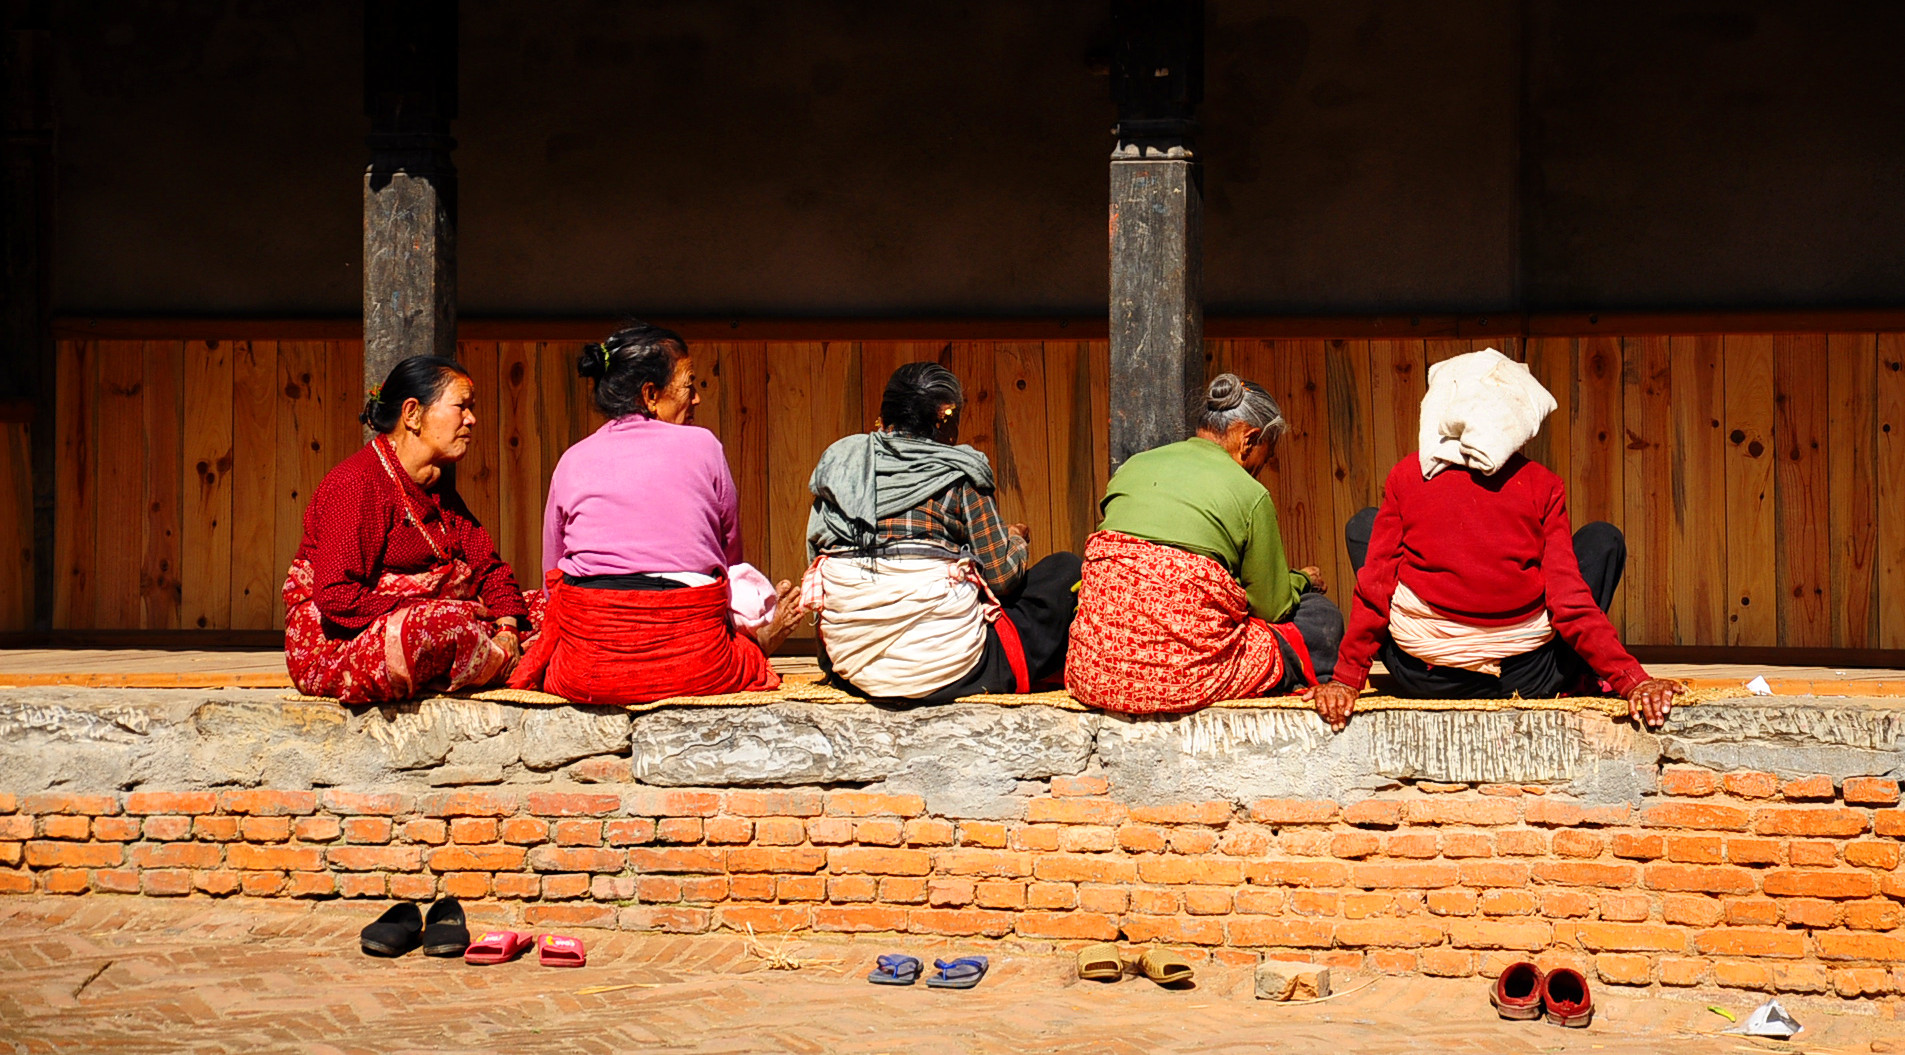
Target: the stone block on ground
(1277, 980)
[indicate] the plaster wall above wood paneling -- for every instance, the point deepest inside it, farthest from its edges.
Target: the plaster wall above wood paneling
(860, 159)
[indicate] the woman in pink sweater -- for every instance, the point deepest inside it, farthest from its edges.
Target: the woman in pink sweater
(641, 546)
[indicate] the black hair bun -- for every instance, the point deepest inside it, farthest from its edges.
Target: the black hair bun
(593, 362)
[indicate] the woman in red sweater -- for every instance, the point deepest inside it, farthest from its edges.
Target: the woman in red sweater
(1471, 582)
(396, 589)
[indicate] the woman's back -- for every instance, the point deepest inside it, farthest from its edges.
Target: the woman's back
(642, 496)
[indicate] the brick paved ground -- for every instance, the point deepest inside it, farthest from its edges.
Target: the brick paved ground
(230, 976)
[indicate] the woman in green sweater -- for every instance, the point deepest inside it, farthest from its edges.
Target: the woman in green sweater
(1187, 596)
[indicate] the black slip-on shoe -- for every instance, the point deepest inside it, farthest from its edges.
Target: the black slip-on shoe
(445, 932)
(396, 932)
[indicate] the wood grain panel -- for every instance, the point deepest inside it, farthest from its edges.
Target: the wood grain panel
(1100, 355)
(159, 587)
(1551, 361)
(1299, 472)
(187, 516)
(1647, 448)
(792, 373)
(1803, 564)
(205, 528)
(1852, 483)
(345, 402)
(558, 401)
(304, 379)
(256, 394)
(476, 474)
(1398, 378)
(1891, 477)
(16, 526)
(118, 545)
(1069, 448)
(1699, 478)
(1355, 472)
(518, 527)
(745, 427)
(1021, 459)
(75, 485)
(1436, 349)
(1751, 520)
(1596, 477)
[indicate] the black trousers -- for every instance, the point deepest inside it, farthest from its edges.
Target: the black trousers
(1041, 610)
(1553, 669)
(1321, 623)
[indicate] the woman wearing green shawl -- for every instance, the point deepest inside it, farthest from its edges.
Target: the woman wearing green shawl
(922, 589)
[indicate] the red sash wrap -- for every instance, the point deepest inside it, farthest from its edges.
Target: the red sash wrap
(1162, 631)
(1014, 652)
(637, 646)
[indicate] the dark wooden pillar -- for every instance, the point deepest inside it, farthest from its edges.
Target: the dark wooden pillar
(410, 64)
(1157, 221)
(26, 229)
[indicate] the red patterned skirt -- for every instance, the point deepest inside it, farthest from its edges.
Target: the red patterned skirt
(635, 646)
(1163, 631)
(441, 640)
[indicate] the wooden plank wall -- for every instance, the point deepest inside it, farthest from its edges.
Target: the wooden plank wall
(16, 526)
(1748, 471)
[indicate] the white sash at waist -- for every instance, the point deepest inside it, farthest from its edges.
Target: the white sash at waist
(902, 627)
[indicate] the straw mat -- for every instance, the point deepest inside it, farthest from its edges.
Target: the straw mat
(815, 692)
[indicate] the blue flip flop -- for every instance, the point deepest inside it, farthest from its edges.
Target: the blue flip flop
(894, 969)
(963, 973)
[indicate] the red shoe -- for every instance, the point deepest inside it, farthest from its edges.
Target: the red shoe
(1565, 993)
(1517, 992)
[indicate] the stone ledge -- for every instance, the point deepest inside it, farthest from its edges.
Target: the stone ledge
(968, 760)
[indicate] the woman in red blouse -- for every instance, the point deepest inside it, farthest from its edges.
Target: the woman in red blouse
(396, 588)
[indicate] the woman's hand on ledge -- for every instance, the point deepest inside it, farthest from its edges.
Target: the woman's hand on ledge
(1333, 701)
(1315, 575)
(1651, 700)
(787, 613)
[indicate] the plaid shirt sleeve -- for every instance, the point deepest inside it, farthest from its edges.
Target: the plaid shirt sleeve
(1001, 554)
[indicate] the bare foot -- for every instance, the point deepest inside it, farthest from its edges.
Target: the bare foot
(787, 614)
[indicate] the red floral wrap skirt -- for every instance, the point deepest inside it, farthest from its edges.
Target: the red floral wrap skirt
(636, 646)
(440, 640)
(1162, 631)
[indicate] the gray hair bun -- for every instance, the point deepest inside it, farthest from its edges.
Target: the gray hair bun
(1226, 392)
(1232, 400)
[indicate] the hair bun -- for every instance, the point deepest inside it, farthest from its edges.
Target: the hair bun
(1226, 392)
(593, 362)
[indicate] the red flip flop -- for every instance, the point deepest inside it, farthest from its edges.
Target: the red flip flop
(498, 946)
(560, 951)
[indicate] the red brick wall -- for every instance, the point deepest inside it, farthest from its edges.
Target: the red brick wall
(1738, 880)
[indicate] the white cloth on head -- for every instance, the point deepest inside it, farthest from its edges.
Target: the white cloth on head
(899, 627)
(1481, 408)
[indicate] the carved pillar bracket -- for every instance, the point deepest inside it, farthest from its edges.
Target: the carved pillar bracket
(410, 96)
(1157, 220)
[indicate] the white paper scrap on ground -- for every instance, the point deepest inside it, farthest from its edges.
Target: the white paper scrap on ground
(1758, 686)
(1768, 1020)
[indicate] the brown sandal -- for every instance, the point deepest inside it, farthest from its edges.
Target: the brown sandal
(1100, 963)
(1166, 967)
